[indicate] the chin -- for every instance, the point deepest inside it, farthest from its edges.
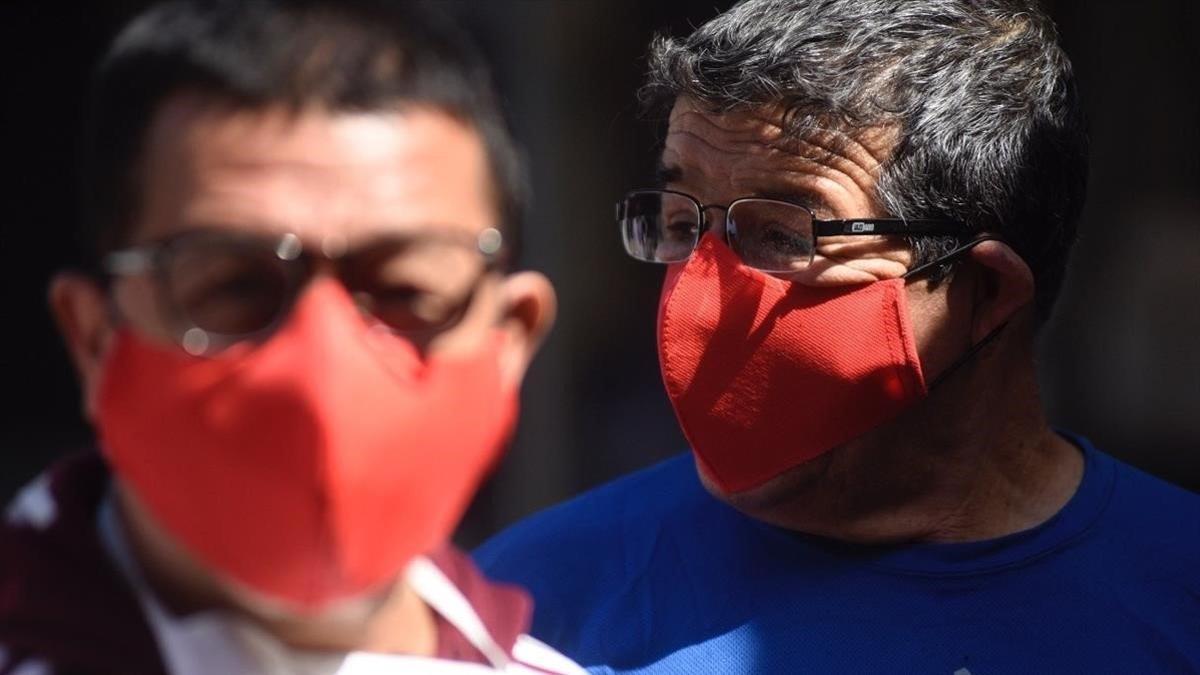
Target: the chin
(277, 610)
(805, 481)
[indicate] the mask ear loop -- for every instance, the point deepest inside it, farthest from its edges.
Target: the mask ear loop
(966, 357)
(977, 347)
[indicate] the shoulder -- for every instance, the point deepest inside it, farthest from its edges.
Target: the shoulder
(587, 552)
(1145, 535)
(1161, 517)
(61, 600)
(611, 515)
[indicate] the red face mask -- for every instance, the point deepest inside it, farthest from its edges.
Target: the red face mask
(765, 374)
(310, 468)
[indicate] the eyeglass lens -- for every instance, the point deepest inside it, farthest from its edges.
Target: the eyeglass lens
(766, 234)
(235, 287)
(660, 226)
(227, 287)
(413, 285)
(770, 235)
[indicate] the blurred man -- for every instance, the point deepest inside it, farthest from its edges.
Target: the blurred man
(301, 352)
(866, 208)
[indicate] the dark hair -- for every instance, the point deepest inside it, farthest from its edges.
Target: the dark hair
(343, 55)
(990, 128)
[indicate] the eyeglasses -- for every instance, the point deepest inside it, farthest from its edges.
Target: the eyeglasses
(664, 226)
(217, 287)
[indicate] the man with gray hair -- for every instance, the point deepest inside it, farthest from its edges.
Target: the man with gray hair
(866, 208)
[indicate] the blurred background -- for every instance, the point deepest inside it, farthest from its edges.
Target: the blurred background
(1120, 362)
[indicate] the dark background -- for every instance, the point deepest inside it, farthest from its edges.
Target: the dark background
(1120, 362)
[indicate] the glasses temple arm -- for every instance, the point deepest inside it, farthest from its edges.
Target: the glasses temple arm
(861, 226)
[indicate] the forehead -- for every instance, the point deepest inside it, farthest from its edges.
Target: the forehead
(315, 172)
(726, 155)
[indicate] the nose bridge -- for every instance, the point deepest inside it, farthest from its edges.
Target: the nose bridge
(323, 310)
(716, 225)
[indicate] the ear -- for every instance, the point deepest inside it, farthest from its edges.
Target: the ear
(529, 309)
(1004, 286)
(80, 308)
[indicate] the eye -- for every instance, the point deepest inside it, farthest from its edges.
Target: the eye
(680, 225)
(389, 299)
(682, 230)
(783, 239)
(243, 285)
(230, 290)
(406, 307)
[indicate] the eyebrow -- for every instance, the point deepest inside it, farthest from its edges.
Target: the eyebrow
(664, 174)
(806, 199)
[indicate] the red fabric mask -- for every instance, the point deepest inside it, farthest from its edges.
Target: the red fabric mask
(310, 468)
(765, 374)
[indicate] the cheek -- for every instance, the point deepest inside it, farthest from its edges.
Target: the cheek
(933, 326)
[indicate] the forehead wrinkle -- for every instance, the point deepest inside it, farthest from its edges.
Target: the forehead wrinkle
(745, 132)
(755, 153)
(678, 141)
(848, 155)
(822, 176)
(873, 142)
(692, 151)
(701, 179)
(824, 191)
(779, 171)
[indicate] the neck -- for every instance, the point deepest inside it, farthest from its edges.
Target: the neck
(975, 460)
(397, 621)
(393, 621)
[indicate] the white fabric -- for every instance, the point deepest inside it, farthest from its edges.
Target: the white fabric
(440, 593)
(220, 642)
(34, 505)
(533, 652)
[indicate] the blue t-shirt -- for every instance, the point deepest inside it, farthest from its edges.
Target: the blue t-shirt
(650, 574)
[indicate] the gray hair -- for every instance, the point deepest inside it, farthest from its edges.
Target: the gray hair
(990, 130)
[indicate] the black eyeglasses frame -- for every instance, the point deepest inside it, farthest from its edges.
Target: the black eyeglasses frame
(299, 264)
(908, 227)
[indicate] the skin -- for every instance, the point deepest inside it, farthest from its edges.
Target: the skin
(975, 459)
(335, 179)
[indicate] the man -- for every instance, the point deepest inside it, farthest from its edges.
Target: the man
(301, 352)
(866, 211)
